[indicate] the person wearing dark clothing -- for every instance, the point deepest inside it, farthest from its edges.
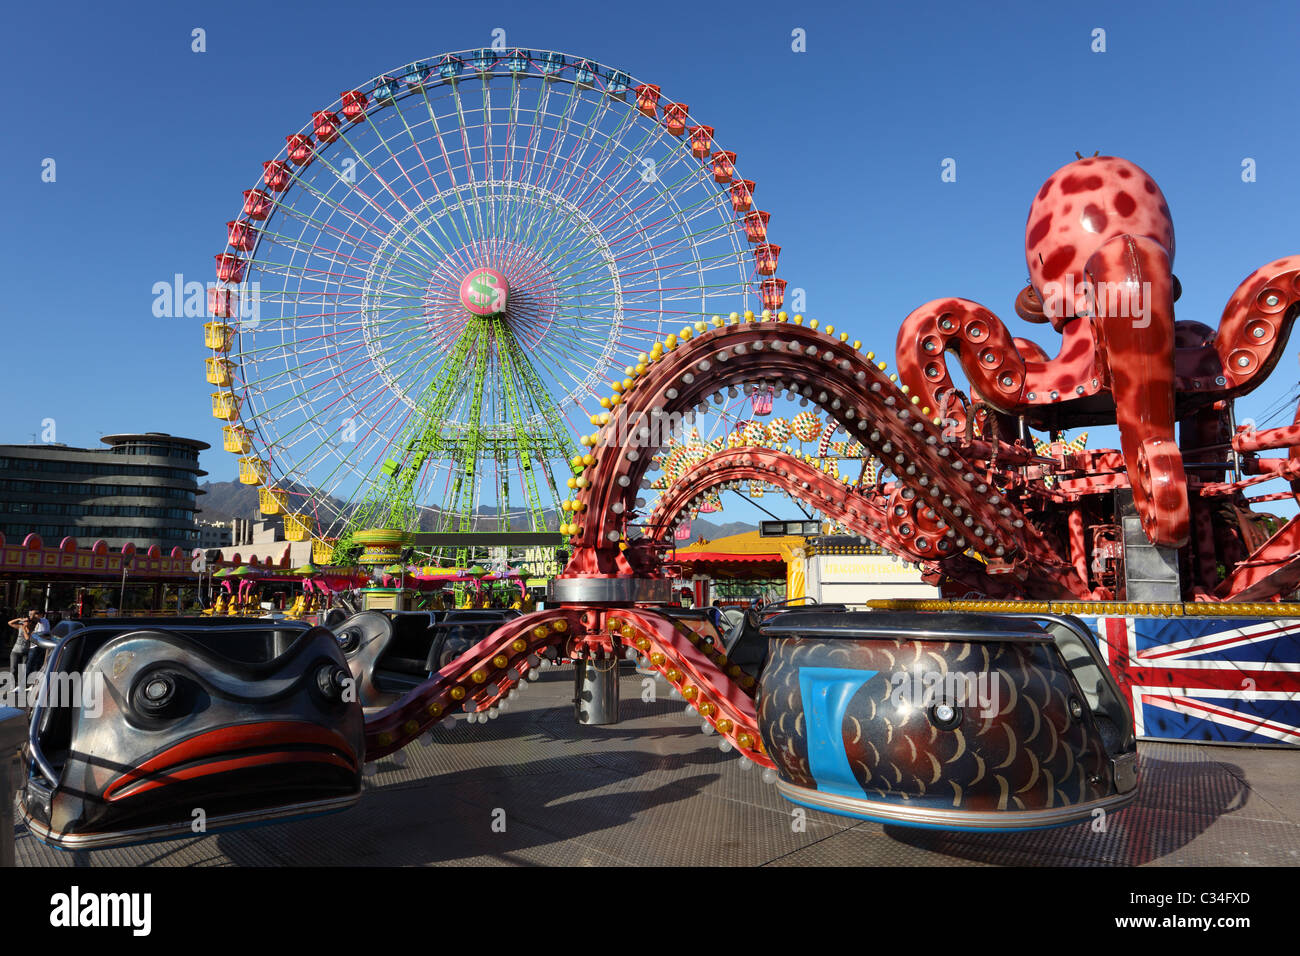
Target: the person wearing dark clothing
(25, 626)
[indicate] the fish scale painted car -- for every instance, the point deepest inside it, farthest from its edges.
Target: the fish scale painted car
(959, 722)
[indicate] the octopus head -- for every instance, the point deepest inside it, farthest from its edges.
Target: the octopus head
(1081, 206)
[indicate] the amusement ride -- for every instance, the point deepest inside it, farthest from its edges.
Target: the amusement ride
(497, 253)
(437, 273)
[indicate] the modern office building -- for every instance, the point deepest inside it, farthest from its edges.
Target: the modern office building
(142, 488)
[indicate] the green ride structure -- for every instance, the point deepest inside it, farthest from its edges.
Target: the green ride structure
(486, 359)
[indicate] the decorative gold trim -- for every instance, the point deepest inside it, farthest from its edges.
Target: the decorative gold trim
(1269, 609)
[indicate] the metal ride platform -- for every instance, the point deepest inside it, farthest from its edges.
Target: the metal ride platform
(653, 790)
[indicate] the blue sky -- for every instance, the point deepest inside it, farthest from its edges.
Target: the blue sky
(154, 144)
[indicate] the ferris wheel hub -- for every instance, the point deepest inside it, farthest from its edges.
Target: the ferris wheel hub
(484, 292)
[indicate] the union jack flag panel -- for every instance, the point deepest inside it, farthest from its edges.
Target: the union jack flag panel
(1217, 680)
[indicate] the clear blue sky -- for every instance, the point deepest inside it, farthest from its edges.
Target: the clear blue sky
(154, 143)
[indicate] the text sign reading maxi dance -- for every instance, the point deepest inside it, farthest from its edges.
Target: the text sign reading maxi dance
(781, 529)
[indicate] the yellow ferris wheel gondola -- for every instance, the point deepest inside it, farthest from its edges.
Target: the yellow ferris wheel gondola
(218, 336)
(272, 501)
(236, 439)
(322, 550)
(252, 471)
(218, 370)
(226, 405)
(298, 527)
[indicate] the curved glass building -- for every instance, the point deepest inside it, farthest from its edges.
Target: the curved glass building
(142, 488)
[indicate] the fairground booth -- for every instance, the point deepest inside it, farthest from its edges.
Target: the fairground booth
(830, 569)
(80, 581)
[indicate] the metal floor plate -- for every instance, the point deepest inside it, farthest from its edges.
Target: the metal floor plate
(534, 788)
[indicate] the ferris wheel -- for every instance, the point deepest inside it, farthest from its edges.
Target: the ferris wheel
(435, 274)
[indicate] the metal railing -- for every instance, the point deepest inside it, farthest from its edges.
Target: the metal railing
(13, 734)
(54, 653)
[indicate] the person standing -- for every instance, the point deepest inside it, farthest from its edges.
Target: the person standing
(24, 626)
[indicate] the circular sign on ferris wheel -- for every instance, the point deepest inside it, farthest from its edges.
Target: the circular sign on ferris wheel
(484, 292)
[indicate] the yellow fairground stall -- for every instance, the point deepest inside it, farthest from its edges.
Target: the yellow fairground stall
(827, 569)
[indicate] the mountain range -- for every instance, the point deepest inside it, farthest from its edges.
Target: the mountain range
(225, 500)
